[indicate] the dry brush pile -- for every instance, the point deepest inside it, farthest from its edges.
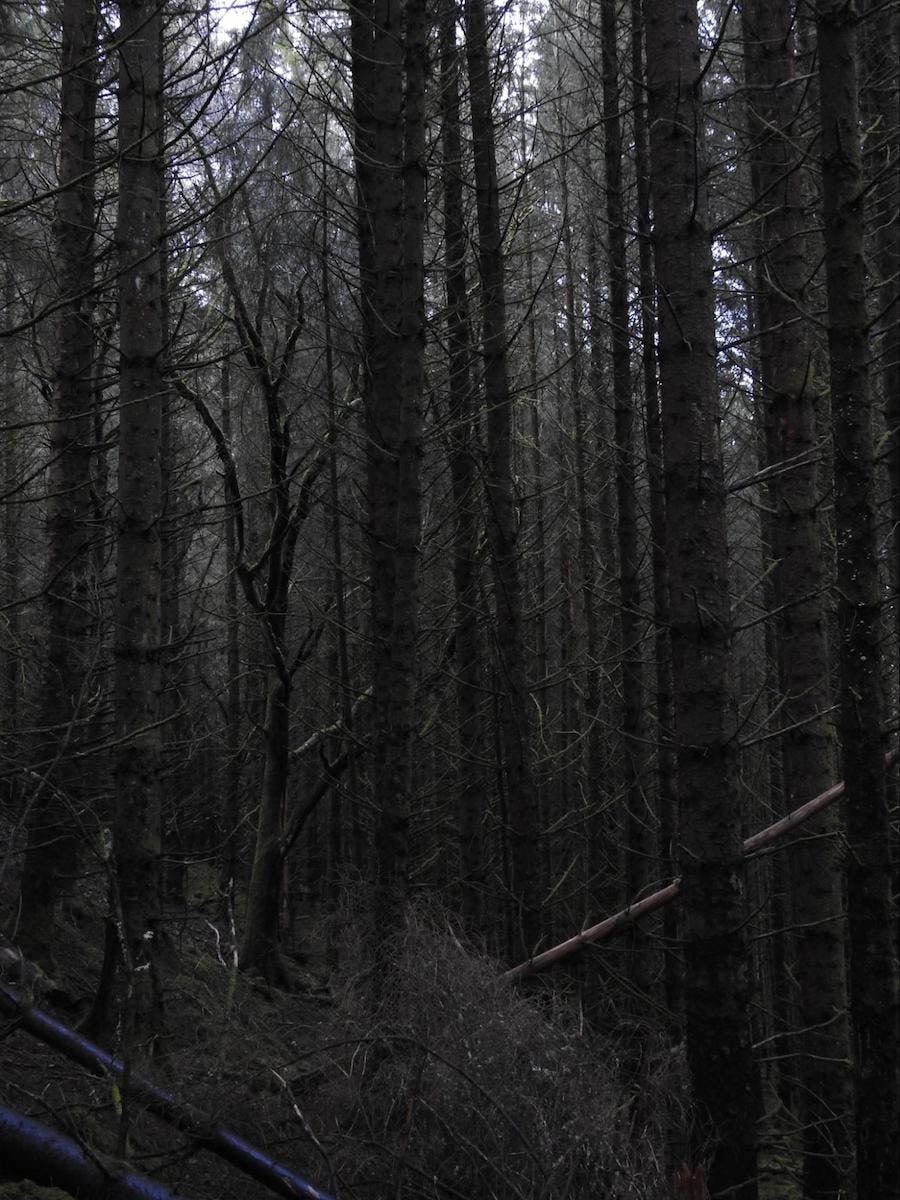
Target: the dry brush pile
(456, 1084)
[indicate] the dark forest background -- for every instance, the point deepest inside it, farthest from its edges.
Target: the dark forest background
(449, 491)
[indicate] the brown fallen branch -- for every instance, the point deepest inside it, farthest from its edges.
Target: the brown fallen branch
(221, 1141)
(627, 916)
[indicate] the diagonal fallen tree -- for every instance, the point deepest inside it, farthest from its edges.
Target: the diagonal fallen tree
(33, 1151)
(641, 908)
(185, 1117)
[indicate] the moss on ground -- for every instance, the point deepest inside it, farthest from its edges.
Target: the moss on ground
(24, 1189)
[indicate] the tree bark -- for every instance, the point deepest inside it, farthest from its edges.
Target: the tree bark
(880, 103)
(338, 857)
(266, 585)
(136, 830)
(70, 592)
(788, 381)
(603, 835)
(460, 418)
(873, 971)
(538, 526)
(388, 62)
(666, 798)
(720, 1059)
(513, 699)
(231, 776)
(640, 833)
(262, 927)
(11, 549)
(586, 711)
(261, 939)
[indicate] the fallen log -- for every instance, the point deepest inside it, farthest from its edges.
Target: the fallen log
(30, 1150)
(185, 1117)
(627, 916)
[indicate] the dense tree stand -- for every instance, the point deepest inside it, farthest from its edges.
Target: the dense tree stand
(448, 493)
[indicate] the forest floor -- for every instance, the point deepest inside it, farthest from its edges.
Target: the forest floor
(457, 1086)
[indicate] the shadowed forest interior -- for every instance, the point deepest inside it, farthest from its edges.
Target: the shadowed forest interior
(449, 496)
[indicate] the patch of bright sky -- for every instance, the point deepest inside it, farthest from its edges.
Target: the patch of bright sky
(233, 16)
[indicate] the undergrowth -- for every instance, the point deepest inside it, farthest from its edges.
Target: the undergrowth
(435, 1078)
(422, 1077)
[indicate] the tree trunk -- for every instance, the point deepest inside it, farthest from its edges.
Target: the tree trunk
(11, 470)
(666, 798)
(231, 776)
(588, 715)
(603, 836)
(266, 583)
(640, 834)
(138, 502)
(460, 418)
(719, 1053)
(873, 977)
(337, 854)
(880, 101)
(534, 515)
(59, 806)
(788, 379)
(388, 61)
(261, 940)
(515, 716)
(260, 943)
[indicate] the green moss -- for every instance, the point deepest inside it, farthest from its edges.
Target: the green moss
(202, 883)
(25, 1189)
(780, 1167)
